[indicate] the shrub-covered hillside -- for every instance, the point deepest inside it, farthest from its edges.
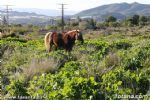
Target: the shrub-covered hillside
(102, 68)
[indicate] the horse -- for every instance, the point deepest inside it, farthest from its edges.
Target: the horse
(65, 40)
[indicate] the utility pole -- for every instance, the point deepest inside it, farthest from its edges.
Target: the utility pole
(62, 17)
(7, 13)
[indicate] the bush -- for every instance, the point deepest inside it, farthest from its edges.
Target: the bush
(120, 82)
(122, 44)
(16, 88)
(134, 59)
(114, 24)
(67, 84)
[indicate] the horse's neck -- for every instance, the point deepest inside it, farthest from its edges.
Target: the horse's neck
(72, 34)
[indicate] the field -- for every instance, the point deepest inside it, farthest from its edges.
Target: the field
(111, 62)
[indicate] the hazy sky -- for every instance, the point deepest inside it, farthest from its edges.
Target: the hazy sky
(76, 5)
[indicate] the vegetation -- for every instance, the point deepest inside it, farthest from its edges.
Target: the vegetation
(111, 62)
(110, 21)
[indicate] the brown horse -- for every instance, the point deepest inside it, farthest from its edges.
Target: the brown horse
(65, 40)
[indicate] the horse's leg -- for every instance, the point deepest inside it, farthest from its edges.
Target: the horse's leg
(49, 50)
(50, 46)
(55, 47)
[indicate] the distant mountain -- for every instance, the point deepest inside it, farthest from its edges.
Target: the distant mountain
(40, 16)
(33, 15)
(119, 10)
(47, 12)
(25, 17)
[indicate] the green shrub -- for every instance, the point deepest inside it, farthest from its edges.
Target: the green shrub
(120, 81)
(16, 88)
(122, 44)
(136, 58)
(67, 84)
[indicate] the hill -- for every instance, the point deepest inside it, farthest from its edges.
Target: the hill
(119, 10)
(47, 12)
(18, 17)
(33, 15)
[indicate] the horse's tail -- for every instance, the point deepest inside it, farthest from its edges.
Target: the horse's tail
(47, 40)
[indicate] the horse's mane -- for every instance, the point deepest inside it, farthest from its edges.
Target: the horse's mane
(73, 31)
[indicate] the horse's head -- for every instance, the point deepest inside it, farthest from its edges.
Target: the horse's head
(79, 36)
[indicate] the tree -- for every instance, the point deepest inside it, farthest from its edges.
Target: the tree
(74, 23)
(100, 25)
(135, 19)
(83, 25)
(143, 20)
(79, 19)
(92, 23)
(114, 24)
(111, 19)
(4, 21)
(87, 24)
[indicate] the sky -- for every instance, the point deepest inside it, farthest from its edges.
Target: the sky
(72, 5)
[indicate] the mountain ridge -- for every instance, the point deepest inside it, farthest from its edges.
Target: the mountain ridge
(46, 12)
(124, 9)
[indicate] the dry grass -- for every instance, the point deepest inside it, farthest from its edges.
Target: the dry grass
(38, 67)
(1, 34)
(8, 34)
(127, 31)
(111, 60)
